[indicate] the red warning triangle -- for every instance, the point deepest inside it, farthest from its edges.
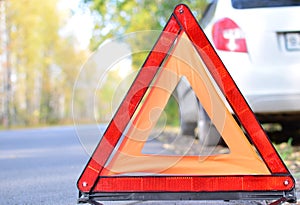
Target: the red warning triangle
(118, 164)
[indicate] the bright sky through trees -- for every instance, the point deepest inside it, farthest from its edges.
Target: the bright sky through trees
(80, 23)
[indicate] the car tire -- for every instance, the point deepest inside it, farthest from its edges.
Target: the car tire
(188, 128)
(208, 134)
(291, 130)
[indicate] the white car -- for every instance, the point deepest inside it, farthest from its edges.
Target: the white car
(259, 43)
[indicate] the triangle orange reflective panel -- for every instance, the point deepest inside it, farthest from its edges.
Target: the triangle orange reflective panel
(118, 168)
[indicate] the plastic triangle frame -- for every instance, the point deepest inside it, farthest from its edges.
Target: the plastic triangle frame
(93, 185)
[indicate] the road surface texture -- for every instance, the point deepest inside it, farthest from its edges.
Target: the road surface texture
(41, 166)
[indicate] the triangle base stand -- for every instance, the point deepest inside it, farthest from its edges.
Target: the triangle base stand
(95, 198)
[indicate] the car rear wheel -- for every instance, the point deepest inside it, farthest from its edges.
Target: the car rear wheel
(208, 134)
(291, 130)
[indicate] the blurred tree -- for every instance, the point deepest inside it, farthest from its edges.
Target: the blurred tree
(42, 62)
(118, 17)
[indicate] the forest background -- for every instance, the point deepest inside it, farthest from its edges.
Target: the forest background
(39, 63)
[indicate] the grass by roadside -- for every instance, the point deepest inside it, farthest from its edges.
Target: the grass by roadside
(291, 156)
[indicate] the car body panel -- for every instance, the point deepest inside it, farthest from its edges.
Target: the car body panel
(268, 75)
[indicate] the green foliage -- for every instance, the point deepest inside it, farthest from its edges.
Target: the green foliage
(115, 18)
(43, 64)
(285, 149)
(172, 112)
(118, 17)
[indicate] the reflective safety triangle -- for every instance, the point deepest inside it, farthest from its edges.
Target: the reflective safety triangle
(118, 164)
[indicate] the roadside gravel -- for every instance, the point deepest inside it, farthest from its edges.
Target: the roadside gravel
(187, 145)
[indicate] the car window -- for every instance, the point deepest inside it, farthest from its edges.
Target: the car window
(246, 4)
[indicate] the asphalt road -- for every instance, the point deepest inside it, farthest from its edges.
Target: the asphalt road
(41, 166)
